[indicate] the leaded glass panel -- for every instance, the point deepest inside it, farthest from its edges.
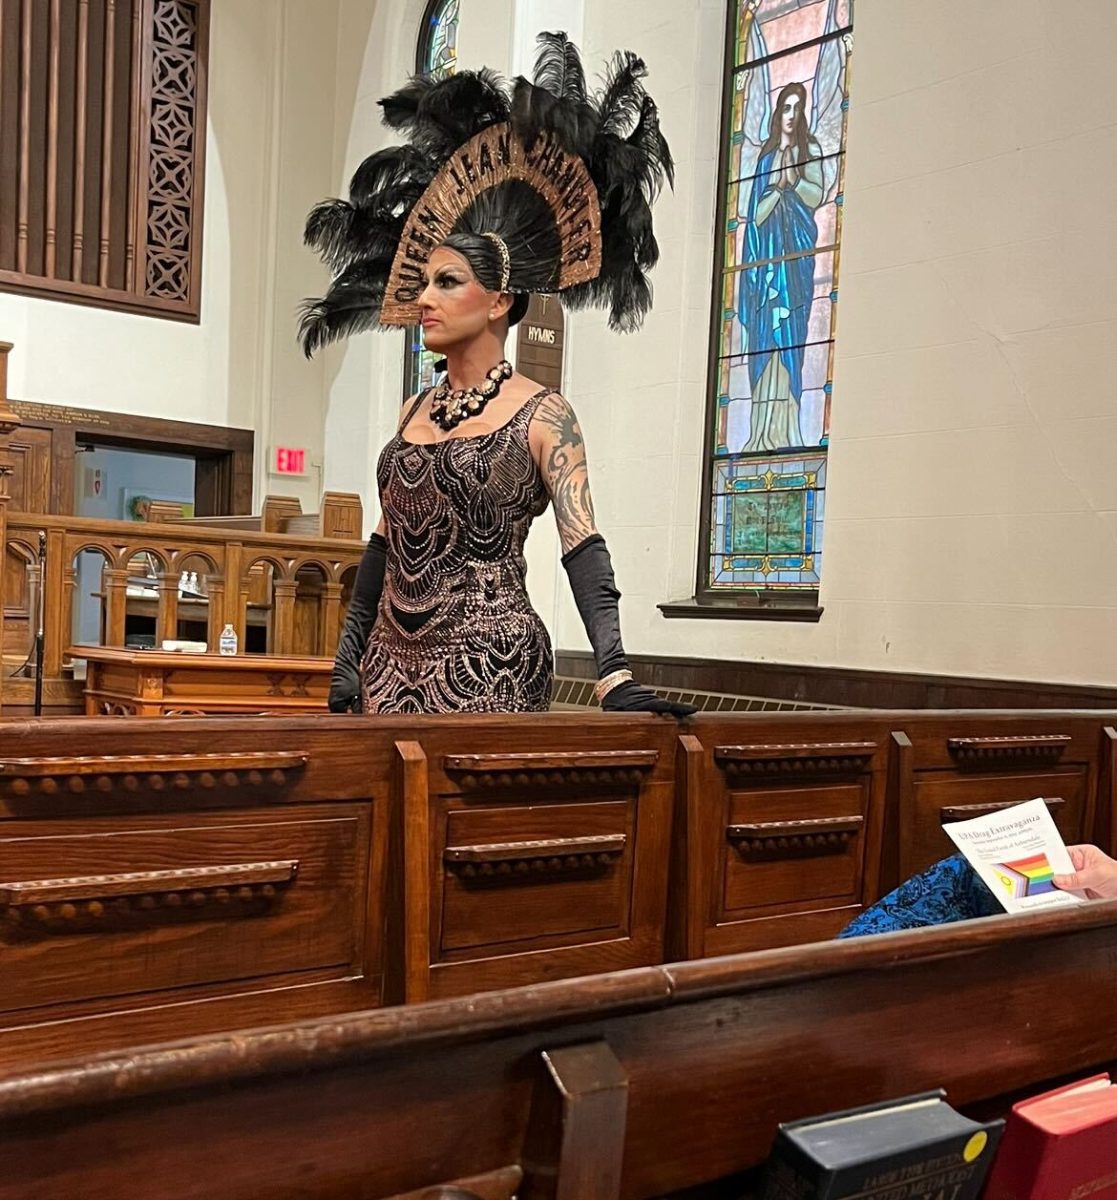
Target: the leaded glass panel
(440, 37)
(771, 391)
(438, 51)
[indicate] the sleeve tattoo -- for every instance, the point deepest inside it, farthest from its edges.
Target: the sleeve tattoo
(562, 459)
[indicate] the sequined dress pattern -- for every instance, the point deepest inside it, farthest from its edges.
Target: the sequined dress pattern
(455, 631)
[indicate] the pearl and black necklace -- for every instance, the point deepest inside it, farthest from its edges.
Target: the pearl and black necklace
(451, 406)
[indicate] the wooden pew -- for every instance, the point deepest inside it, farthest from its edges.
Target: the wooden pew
(290, 590)
(630, 1085)
(521, 865)
(778, 830)
(382, 819)
(953, 766)
(438, 857)
(341, 516)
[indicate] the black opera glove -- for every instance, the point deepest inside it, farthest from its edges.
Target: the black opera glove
(345, 681)
(631, 696)
(590, 570)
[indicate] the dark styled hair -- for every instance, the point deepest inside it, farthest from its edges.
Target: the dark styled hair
(523, 220)
(801, 136)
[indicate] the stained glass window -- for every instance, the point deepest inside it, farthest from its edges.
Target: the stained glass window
(438, 38)
(437, 51)
(786, 107)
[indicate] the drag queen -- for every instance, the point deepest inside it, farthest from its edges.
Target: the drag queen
(501, 191)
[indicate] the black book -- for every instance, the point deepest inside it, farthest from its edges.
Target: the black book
(915, 1148)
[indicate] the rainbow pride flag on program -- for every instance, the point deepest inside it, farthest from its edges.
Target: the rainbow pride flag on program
(1026, 876)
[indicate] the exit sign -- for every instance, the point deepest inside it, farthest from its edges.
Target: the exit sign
(289, 461)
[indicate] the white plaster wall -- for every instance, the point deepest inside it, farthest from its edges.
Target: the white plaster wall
(972, 507)
(364, 375)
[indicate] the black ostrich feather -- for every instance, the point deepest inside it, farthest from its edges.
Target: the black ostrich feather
(615, 130)
(536, 111)
(440, 113)
(352, 305)
(399, 169)
(648, 140)
(558, 68)
(619, 101)
(329, 231)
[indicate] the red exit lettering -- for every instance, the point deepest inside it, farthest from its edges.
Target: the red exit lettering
(289, 461)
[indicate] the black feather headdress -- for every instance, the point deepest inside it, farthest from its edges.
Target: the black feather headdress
(563, 176)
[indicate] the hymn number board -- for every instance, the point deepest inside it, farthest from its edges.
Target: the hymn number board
(539, 344)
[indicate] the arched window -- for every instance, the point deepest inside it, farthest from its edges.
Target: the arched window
(436, 51)
(438, 37)
(776, 292)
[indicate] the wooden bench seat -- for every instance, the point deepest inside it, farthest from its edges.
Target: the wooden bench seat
(635, 1084)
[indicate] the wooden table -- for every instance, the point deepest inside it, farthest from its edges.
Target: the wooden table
(150, 683)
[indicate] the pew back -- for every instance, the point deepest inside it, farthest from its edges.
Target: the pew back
(633, 1085)
(161, 877)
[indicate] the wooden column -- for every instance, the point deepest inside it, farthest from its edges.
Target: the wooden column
(283, 607)
(215, 590)
(8, 424)
(57, 634)
(686, 913)
(166, 615)
(236, 595)
(407, 946)
(328, 609)
(114, 582)
(66, 615)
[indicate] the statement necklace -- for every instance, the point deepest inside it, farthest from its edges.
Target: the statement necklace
(449, 407)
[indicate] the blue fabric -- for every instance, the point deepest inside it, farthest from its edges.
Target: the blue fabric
(775, 298)
(948, 891)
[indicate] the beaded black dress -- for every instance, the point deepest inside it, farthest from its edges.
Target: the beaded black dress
(455, 631)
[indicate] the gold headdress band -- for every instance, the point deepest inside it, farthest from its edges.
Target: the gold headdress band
(505, 259)
(488, 159)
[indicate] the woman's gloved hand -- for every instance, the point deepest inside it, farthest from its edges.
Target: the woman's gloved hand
(590, 570)
(631, 696)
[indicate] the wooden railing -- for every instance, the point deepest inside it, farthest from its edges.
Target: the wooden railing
(299, 584)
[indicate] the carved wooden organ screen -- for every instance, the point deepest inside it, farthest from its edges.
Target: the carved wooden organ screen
(102, 147)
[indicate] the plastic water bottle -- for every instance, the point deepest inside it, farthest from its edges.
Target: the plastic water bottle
(228, 642)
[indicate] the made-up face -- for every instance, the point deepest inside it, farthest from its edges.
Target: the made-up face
(790, 113)
(455, 306)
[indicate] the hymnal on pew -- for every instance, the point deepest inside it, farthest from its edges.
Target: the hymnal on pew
(1061, 1145)
(1017, 852)
(915, 1148)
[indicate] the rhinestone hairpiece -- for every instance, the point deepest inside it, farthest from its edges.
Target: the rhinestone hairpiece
(505, 259)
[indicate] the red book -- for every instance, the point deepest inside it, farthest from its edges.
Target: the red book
(1060, 1146)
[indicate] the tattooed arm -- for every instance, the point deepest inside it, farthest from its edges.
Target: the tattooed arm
(558, 447)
